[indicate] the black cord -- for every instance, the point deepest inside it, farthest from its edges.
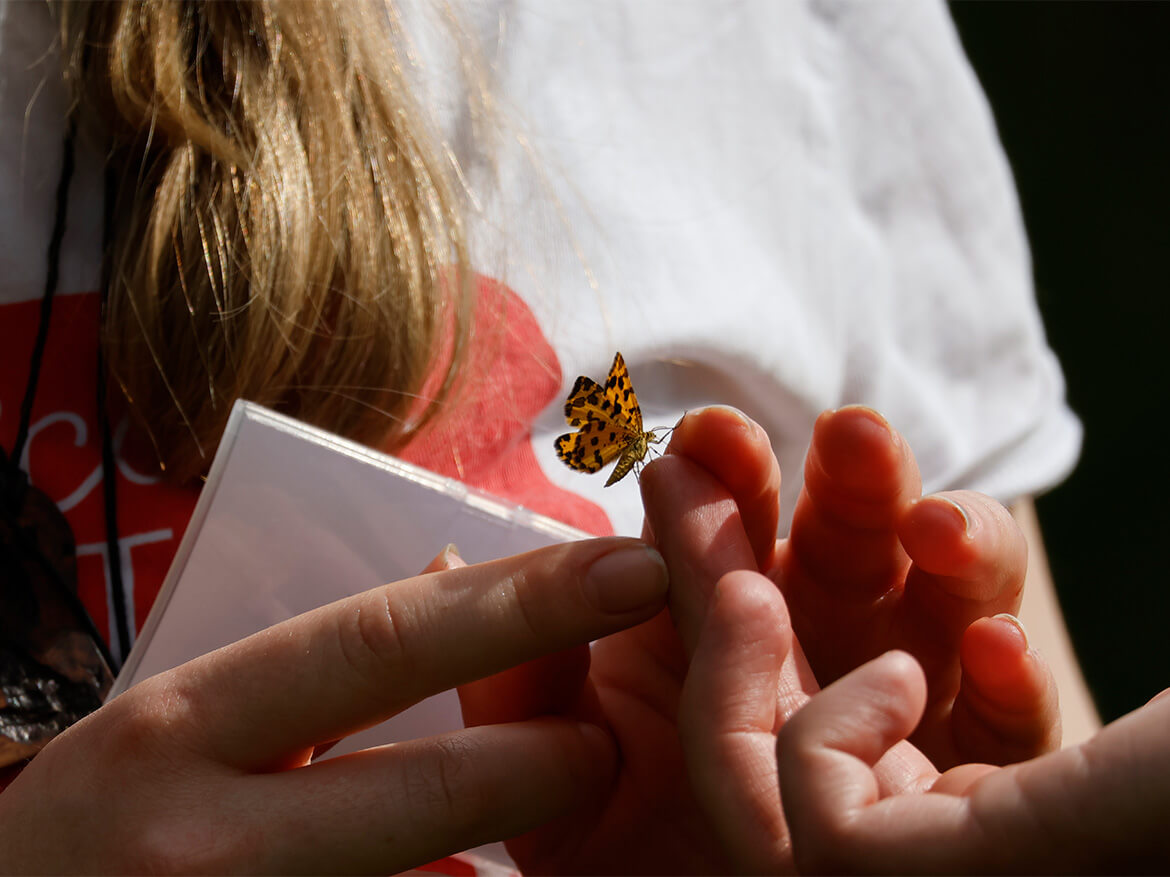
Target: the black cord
(11, 464)
(51, 277)
(109, 464)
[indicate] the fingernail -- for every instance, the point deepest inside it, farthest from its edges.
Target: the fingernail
(1019, 625)
(726, 409)
(732, 417)
(872, 413)
(873, 417)
(962, 513)
(627, 578)
(450, 557)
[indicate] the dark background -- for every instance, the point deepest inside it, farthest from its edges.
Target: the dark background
(1081, 95)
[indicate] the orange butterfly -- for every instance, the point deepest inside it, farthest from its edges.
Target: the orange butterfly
(610, 424)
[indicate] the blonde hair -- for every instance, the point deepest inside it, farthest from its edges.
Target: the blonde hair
(283, 228)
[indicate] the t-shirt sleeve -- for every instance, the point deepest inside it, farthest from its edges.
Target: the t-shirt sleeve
(949, 344)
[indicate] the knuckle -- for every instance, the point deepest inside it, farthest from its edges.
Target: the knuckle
(446, 786)
(525, 593)
(154, 719)
(185, 843)
(453, 791)
(374, 640)
(156, 848)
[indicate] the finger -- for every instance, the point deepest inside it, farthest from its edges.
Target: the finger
(843, 559)
(859, 477)
(969, 561)
(828, 750)
(698, 528)
(548, 685)
(832, 800)
(387, 809)
(448, 558)
(1096, 807)
(1007, 709)
(738, 453)
(352, 664)
(543, 686)
(728, 718)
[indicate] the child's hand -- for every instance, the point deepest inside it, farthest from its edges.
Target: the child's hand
(690, 784)
(870, 565)
(712, 509)
(1098, 807)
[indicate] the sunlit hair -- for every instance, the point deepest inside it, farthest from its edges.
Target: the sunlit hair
(283, 230)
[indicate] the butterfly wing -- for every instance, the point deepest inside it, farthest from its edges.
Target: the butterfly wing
(591, 447)
(587, 402)
(619, 392)
(609, 421)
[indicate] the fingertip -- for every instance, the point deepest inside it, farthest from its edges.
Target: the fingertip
(868, 710)
(931, 520)
(718, 422)
(746, 606)
(900, 675)
(896, 684)
(900, 664)
(632, 578)
(858, 470)
(1007, 708)
(448, 558)
(855, 444)
(969, 545)
(994, 657)
(656, 475)
(590, 761)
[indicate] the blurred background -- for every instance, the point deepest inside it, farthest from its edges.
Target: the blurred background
(1081, 95)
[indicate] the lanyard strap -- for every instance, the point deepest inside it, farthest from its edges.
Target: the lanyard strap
(13, 481)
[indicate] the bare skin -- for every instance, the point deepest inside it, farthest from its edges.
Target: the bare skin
(1098, 807)
(207, 768)
(870, 563)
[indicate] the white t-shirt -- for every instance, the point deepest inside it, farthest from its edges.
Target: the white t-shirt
(780, 206)
(784, 207)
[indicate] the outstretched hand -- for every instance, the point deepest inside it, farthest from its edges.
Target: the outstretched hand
(869, 565)
(693, 699)
(899, 570)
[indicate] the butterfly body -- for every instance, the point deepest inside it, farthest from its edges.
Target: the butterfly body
(609, 422)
